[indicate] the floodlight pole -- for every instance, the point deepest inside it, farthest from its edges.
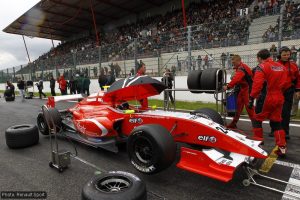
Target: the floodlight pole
(26, 48)
(183, 13)
(95, 25)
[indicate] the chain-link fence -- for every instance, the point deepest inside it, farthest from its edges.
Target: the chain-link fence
(179, 49)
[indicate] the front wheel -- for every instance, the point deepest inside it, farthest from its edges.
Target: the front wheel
(209, 114)
(151, 148)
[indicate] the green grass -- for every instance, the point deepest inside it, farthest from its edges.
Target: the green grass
(35, 93)
(184, 105)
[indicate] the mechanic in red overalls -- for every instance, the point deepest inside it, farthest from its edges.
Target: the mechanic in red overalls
(62, 83)
(141, 70)
(293, 85)
(242, 82)
(270, 80)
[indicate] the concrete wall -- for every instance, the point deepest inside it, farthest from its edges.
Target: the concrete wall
(180, 82)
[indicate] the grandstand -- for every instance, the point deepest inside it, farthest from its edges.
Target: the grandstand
(150, 30)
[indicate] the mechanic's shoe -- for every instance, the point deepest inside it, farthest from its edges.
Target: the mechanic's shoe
(281, 151)
(271, 134)
(287, 137)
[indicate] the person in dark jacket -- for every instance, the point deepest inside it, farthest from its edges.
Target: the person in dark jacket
(72, 85)
(79, 83)
(293, 86)
(86, 85)
(21, 87)
(52, 86)
(111, 78)
(40, 86)
(10, 90)
(167, 79)
(102, 79)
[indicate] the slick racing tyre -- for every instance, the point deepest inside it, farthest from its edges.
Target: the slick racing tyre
(11, 98)
(193, 81)
(20, 136)
(42, 123)
(115, 185)
(151, 148)
(209, 78)
(209, 114)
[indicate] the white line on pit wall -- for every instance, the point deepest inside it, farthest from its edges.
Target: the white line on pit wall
(265, 122)
(294, 178)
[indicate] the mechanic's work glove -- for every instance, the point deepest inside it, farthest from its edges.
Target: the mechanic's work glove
(251, 102)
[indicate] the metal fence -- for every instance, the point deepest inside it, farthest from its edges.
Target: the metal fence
(179, 49)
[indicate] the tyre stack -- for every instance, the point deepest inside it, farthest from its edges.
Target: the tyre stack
(208, 79)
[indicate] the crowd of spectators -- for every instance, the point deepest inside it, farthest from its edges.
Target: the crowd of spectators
(215, 23)
(266, 7)
(290, 24)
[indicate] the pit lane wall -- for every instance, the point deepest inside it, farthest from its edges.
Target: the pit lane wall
(180, 82)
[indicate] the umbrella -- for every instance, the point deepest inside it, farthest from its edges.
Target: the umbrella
(134, 87)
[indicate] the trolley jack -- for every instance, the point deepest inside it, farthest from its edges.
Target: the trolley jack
(251, 173)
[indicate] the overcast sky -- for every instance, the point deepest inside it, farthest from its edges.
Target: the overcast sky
(12, 50)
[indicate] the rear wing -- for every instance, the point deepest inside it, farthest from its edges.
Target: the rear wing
(52, 100)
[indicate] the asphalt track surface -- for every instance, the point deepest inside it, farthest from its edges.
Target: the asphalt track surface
(27, 169)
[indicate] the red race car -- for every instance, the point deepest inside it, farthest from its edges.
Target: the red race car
(106, 119)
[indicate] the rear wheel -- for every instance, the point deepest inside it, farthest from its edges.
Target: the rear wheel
(42, 124)
(151, 148)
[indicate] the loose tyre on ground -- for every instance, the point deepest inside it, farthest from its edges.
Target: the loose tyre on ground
(209, 78)
(21, 136)
(12, 98)
(41, 122)
(193, 80)
(9, 96)
(115, 185)
(209, 114)
(151, 148)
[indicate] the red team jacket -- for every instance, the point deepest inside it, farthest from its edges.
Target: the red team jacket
(293, 74)
(239, 77)
(273, 76)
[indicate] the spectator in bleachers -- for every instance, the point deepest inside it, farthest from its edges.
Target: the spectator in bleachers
(294, 53)
(273, 51)
(223, 59)
(205, 62)
(199, 62)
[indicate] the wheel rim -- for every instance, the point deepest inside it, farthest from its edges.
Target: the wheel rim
(41, 124)
(113, 184)
(143, 151)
